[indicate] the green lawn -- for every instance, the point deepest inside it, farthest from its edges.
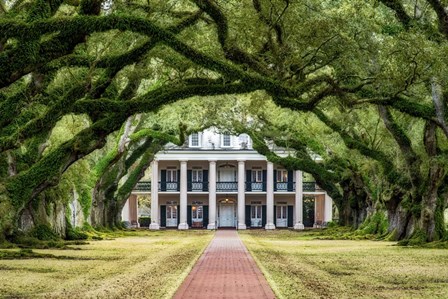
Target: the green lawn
(297, 265)
(139, 265)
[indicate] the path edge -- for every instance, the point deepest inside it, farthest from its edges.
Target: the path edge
(189, 268)
(263, 271)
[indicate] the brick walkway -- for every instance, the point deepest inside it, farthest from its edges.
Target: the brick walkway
(225, 270)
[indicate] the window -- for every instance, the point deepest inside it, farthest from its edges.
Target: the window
(226, 140)
(282, 212)
(171, 212)
(171, 175)
(197, 213)
(257, 175)
(194, 139)
(256, 212)
(196, 175)
(282, 176)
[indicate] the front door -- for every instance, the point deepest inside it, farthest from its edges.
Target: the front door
(282, 216)
(171, 216)
(197, 216)
(255, 216)
(227, 215)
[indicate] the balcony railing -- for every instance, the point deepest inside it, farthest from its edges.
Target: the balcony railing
(311, 187)
(197, 186)
(284, 186)
(143, 186)
(169, 186)
(226, 186)
(255, 186)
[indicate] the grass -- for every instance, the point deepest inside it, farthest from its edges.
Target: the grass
(302, 265)
(139, 264)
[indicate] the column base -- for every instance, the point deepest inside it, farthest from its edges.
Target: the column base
(183, 226)
(154, 226)
(269, 226)
(242, 226)
(211, 226)
(299, 226)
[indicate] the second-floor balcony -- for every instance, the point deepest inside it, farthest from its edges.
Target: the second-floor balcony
(285, 186)
(226, 186)
(169, 186)
(145, 186)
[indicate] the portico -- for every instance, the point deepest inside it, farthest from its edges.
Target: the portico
(229, 187)
(231, 201)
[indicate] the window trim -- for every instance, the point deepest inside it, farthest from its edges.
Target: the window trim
(257, 175)
(173, 170)
(222, 140)
(190, 140)
(282, 176)
(197, 171)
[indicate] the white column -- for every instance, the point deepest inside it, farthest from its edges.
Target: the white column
(183, 196)
(125, 212)
(328, 210)
(241, 195)
(270, 197)
(298, 224)
(212, 195)
(155, 223)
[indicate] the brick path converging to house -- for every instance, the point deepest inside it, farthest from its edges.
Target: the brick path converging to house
(225, 270)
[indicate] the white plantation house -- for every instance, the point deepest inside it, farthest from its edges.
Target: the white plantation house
(218, 180)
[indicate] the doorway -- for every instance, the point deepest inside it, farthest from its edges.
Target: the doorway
(197, 216)
(282, 216)
(171, 216)
(226, 215)
(256, 216)
(308, 211)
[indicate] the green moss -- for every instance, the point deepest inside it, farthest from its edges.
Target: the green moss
(85, 200)
(44, 232)
(375, 224)
(441, 231)
(418, 238)
(22, 254)
(75, 234)
(105, 162)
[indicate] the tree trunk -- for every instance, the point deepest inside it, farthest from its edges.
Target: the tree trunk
(400, 223)
(355, 203)
(431, 216)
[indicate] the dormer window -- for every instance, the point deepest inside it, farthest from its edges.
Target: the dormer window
(194, 140)
(226, 141)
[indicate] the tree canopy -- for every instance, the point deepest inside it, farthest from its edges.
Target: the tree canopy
(361, 83)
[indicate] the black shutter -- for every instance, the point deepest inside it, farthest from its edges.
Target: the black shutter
(163, 216)
(290, 216)
(290, 180)
(205, 181)
(178, 180)
(247, 216)
(178, 215)
(162, 180)
(189, 215)
(265, 174)
(189, 180)
(275, 180)
(263, 215)
(205, 223)
(275, 215)
(248, 180)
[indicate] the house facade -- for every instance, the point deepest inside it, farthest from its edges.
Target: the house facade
(218, 181)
